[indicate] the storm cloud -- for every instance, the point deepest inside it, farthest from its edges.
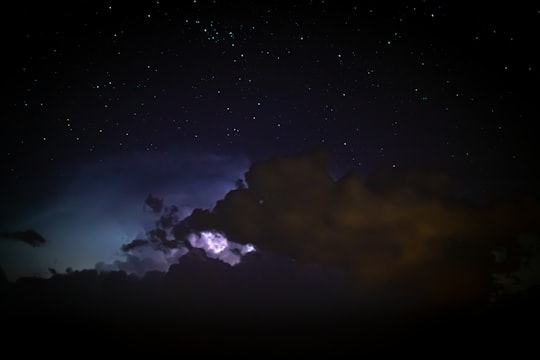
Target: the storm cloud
(97, 206)
(397, 229)
(30, 237)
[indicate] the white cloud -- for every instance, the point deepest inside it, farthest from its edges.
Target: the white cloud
(217, 246)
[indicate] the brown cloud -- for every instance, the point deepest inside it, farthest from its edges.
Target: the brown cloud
(396, 229)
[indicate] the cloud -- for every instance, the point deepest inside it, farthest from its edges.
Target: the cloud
(96, 206)
(30, 237)
(139, 255)
(141, 260)
(398, 229)
(527, 274)
(134, 244)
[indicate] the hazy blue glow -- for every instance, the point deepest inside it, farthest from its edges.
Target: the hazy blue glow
(88, 217)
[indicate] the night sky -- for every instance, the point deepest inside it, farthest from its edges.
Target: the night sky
(107, 102)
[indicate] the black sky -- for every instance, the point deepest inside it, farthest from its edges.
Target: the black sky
(423, 83)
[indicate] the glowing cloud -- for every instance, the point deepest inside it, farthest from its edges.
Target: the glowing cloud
(217, 246)
(93, 214)
(212, 242)
(393, 228)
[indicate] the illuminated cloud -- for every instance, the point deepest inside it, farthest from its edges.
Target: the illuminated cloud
(211, 242)
(217, 246)
(160, 249)
(397, 228)
(100, 206)
(143, 259)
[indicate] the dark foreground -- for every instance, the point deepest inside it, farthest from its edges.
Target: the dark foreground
(140, 315)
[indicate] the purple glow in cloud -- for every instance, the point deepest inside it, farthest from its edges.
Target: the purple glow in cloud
(211, 242)
(98, 207)
(217, 246)
(140, 259)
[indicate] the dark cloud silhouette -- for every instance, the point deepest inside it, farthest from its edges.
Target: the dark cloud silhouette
(160, 248)
(100, 204)
(3, 277)
(134, 244)
(266, 301)
(154, 203)
(359, 262)
(30, 237)
(401, 229)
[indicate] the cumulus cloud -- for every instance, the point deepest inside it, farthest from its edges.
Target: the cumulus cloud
(143, 259)
(400, 229)
(161, 248)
